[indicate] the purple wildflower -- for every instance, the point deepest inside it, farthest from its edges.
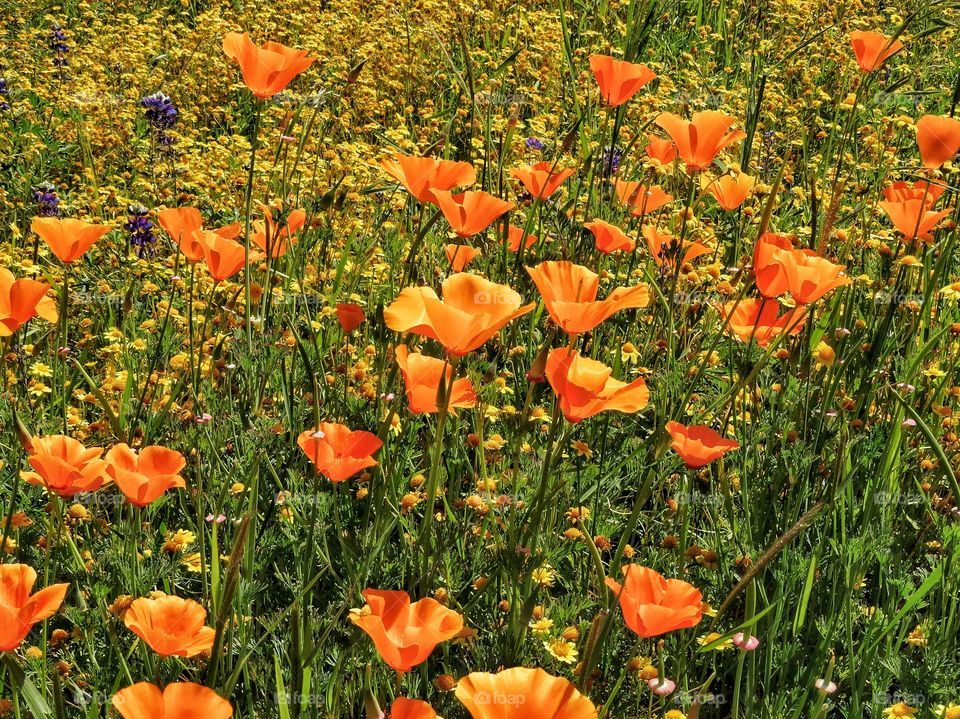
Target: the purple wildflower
(140, 228)
(534, 144)
(4, 94)
(58, 43)
(161, 114)
(48, 204)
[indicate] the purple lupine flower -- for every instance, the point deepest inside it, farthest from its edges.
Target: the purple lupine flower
(58, 43)
(4, 94)
(140, 227)
(534, 144)
(161, 114)
(610, 162)
(48, 204)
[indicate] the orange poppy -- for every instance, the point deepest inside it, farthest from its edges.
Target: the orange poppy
(470, 212)
(665, 248)
(422, 376)
(68, 239)
(661, 149)
(405, 633)
(697, 444)
(185, 227)
(422, 175)
(909, 209)
(171, 626)
(20, 610)
(459, 256)
(610, 238)
(223, 256)
(337, 452)
(803, 273)
(756, 319)
(514, 235)
(21, 300)
(146, 474)
(872, 49)
(522, 693)
(404, 708)
(938, 139)
(472, 311)
(771, 278)
(700, 140)
(641, 199)
(619, 80)
(729, 190)
(274, 240)
(350, 316)
(569, 292)
(585, 387)
(267, 69)
(542, 179)
(180, 700)
(652, 605)
(64, 466)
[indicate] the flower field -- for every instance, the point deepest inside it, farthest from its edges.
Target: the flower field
(594, 359)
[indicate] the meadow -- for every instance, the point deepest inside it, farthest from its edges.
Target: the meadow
(586, 359)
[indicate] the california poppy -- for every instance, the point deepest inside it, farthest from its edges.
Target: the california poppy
(803, 273)
(185, 227)
(698, 445)
(909, 209)
(871, 48)
(661, 149)
(403, 708)
(20, 610)
(569, 292)
(459, 256)
(542, 179)
(701, 139)
(471, 312)
(755, 319)
(652, 605)
(273, 239)
(64, 466)
(405, 633)
(610, 238)
(585, 387)
(470, 212)
(21, 300)
(422, 376)
(641, 199)
(729, 190)
(267, 69)
(667, 249)
(422, 175)
(619, 80)
(171, 626)
(522, 693)
(223, 256)
(771, 278)
(68, 238)
(350, 316)
(180, 700)
(514, 235)
(146, 474)
(337, 452)
(938, 139)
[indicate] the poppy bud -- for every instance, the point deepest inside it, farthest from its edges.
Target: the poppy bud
(538, 370)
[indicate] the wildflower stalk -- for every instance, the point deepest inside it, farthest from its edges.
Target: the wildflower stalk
(248, 205)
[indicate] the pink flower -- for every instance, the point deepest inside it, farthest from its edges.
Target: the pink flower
(824, 686)
(661, 687)
(746, 642)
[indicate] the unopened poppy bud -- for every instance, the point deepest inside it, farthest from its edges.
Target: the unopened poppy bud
(538, 370)
(23, 435)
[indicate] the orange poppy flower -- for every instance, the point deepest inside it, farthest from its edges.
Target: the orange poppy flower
(802, 273)
(700, 140)
(422, 175)
(872, 49)
(698, 445)
(542, 179)
(756, 319)
(459, 256)
(569, 292)
(21, 300)
(909, 209)
(68, 239)
(470, 212)
(938, 139)
(64, 466)
(223, 256)
(610, 238)
(652, 605)
(661, 149)
(181, 700)
(350, 316)
(665, 248)
(337, 452)
(144, 475)
(585, 387)
(522, 693)
(641, 200)
(770, 276)
(171, 626)
(404, 708)
(405, 633)
(20, 610)
(619, 80)
(729, 190)
(274, 240)
(514, 235)
(472, 311)
(185, 227)
(267, 69)
(422, 375)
